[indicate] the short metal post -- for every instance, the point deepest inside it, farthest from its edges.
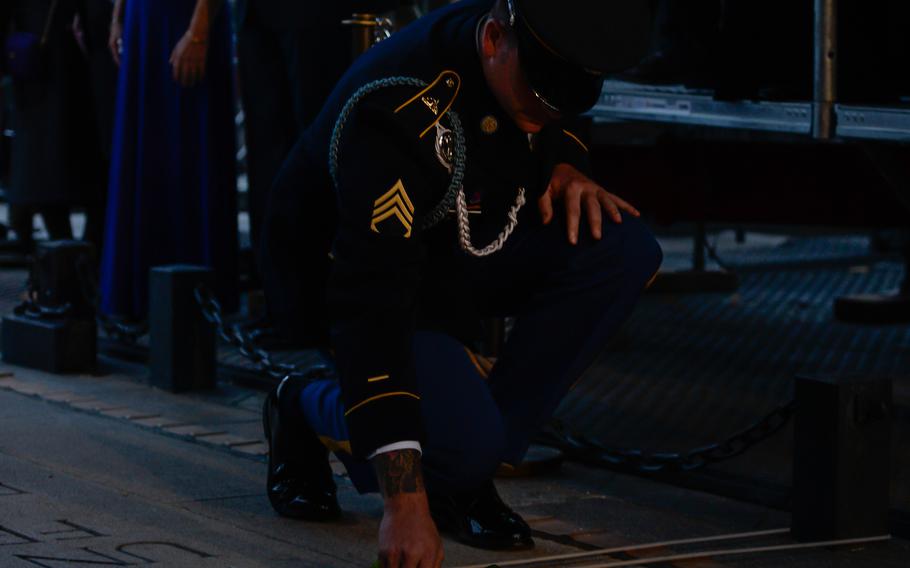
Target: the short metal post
(182, 341)
(363, 28)
(825, 82)
(57, 333)
(841, 457)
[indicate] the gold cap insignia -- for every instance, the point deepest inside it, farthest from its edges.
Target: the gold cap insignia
(489, 124)
(394, 203)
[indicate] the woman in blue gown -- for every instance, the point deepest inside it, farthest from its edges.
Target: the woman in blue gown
(172, 195)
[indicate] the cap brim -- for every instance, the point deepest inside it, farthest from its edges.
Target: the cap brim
(562, 87)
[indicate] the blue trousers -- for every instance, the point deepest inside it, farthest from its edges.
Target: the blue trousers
(567, 301)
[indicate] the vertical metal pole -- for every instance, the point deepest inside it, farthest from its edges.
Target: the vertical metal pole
(905, 283)
(698, 250)
(363, 27)
(825, 84)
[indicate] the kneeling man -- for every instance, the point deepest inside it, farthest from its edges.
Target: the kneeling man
(440, 184)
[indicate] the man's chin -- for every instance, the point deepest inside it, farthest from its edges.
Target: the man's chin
(527, 124)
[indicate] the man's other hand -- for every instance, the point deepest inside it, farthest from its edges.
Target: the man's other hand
(575, 189)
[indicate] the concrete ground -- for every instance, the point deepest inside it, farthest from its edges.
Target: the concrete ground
(103, 470)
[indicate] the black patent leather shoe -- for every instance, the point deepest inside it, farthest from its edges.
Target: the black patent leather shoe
(480, 519)
(300, 483)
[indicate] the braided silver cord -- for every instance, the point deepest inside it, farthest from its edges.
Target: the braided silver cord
(464, 226)
(442, 209)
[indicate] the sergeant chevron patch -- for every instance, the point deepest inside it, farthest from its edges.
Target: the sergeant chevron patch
(394, 203)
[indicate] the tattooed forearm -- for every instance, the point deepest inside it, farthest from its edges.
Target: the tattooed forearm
(398, 472)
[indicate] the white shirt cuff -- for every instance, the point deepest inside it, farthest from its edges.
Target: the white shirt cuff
(403, 445)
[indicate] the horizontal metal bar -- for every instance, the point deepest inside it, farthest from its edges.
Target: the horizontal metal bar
(676, 105)
(693, 555)
(738, 552)
(631, 548)
(874, 123)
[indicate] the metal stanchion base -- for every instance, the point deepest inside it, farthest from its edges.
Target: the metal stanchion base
(879, 309)
(55, 346)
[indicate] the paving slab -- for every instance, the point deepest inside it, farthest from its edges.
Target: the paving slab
(87, 485)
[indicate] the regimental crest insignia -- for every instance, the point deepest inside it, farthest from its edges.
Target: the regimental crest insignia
(431, 103)
(396, 204)
(425, 109)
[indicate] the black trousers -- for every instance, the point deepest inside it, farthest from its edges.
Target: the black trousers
(285, 77)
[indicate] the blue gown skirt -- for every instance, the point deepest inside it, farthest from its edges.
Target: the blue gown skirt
(173, 187)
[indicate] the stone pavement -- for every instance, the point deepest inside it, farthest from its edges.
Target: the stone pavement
(104, 471)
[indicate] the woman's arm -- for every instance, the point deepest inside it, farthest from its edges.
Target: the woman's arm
(115, 39)
(205, 12)
(189, 56)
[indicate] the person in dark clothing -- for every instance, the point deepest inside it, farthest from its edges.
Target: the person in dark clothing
(56, 161)
(402, 210)
(172, 195)
(283, 82)
(94, 25)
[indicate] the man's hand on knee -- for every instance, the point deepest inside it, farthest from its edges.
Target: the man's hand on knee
(575, 190)
(407, 535)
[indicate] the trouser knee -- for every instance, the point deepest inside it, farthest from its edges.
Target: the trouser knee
(471, 464)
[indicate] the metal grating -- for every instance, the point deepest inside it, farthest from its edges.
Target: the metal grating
(690, 370)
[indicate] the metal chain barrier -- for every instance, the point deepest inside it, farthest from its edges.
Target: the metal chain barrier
(122, 332)
(237, 338)
(581, 448)
(119, 331)
(576, 446)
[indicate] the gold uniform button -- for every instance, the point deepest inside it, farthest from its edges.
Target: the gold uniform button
(450, 83)
(489, 124)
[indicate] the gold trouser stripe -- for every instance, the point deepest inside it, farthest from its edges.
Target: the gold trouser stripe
(377, 379)
(378, 396)
(573, 137)
(483, 364)
(336, 445)
(653, 278)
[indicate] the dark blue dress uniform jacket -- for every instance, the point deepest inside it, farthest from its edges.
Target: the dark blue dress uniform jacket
(368, 182)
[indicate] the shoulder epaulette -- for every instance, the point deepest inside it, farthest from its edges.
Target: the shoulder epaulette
(429, 105)
(419, 113)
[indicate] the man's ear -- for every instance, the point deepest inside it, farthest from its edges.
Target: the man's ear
(492, 38)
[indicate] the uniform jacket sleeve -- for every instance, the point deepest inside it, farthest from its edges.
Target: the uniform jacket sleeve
(564, 143)
(383, 195)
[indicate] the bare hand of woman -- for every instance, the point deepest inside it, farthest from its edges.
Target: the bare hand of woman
(188, 60)
(115, 40)
(79, 34)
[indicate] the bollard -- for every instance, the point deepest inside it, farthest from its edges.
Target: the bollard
(55, 346)
(64, 273)
(181, 341)
(842, 458)
(55, 329)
